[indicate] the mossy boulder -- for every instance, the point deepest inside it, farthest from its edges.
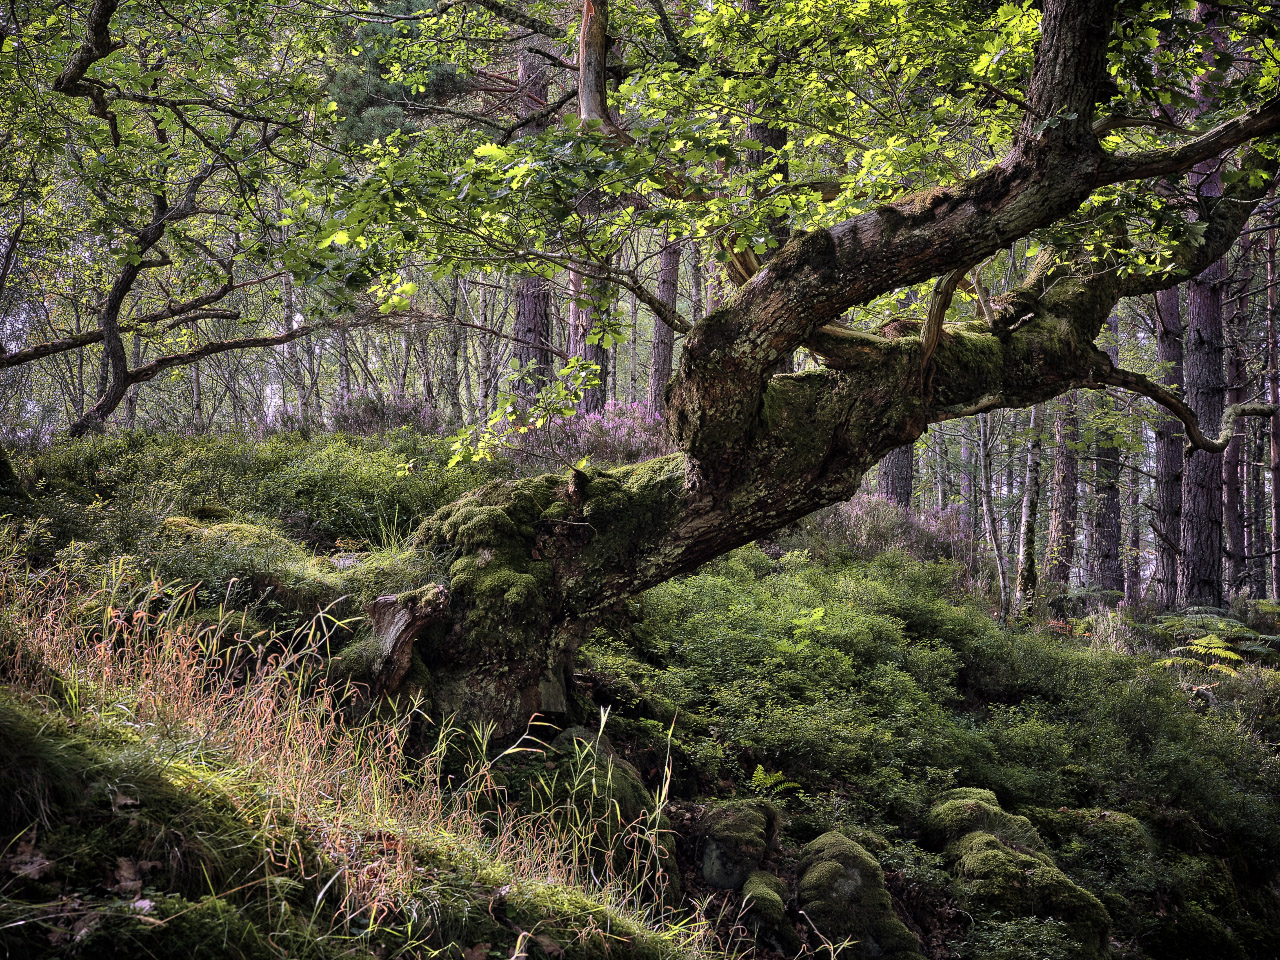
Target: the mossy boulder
(1190, 933)
(842, 893)
(959, 812)
(1002, 883)
(1002, 873)
(736, 837)
(242, 561)
(1110, 852)
(764, 899)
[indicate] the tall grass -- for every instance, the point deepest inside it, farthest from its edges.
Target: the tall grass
(365, 785)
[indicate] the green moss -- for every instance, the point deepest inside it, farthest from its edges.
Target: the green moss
(242, 561)
(841, 891)
(1003, 883)
(1110, 852)
(1191, 933)
(764, 898)
(764, 895)
(963, 810)
(736, 837)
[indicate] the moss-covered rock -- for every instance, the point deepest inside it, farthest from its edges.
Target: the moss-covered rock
(736, 837)
(1002, 873)
(242, 561)
(1003, 883)
(966, 809)
(842, 893)
(1109, 852)
(1190, 932)
(764, 899)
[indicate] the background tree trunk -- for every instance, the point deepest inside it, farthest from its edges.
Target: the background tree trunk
(664, 338)
(985, 487)
(896, 475)
(1060, 552)
(1104, 559)
(1026, 587)
(1170, 440)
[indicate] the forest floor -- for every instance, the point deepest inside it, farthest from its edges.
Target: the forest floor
(820, 744)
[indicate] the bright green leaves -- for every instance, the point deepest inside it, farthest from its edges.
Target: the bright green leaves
(516, 416)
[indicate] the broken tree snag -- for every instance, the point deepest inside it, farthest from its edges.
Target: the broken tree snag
(398, 622)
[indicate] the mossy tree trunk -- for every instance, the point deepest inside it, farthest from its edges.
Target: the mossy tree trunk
(532, 563)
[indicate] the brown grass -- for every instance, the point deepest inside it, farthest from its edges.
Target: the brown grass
(257, 706)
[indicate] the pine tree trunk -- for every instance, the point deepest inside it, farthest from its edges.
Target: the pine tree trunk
(1170, 440)
(1027, 585)
(664, 338)
(1200, 572)
(1060, 552)
(896, 475)
(1233, 456)
(581, 321)
(1107, 571)
(985, 488)
(1273, 390)
(1132, 564)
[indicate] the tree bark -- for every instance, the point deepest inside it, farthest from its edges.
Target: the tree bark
(1273, 388)
(581, 322)
(532, 347)
(985, 484)
(896, 474)
(1107, 572)
(1133, 555)
(1200, 570)
(1169, 453)
(664, 338)
(1026, 584)
(1233, 456)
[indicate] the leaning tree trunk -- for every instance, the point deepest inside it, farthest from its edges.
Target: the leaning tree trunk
(533, 562)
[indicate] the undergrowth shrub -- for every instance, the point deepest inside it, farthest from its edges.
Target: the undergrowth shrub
(332, 487)
(619, 433)
(870, 687)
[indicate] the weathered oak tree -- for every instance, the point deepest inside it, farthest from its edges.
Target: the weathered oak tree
(530, 563)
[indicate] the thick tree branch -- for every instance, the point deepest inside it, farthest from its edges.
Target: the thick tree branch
(1259, 122)
(1196, 440)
